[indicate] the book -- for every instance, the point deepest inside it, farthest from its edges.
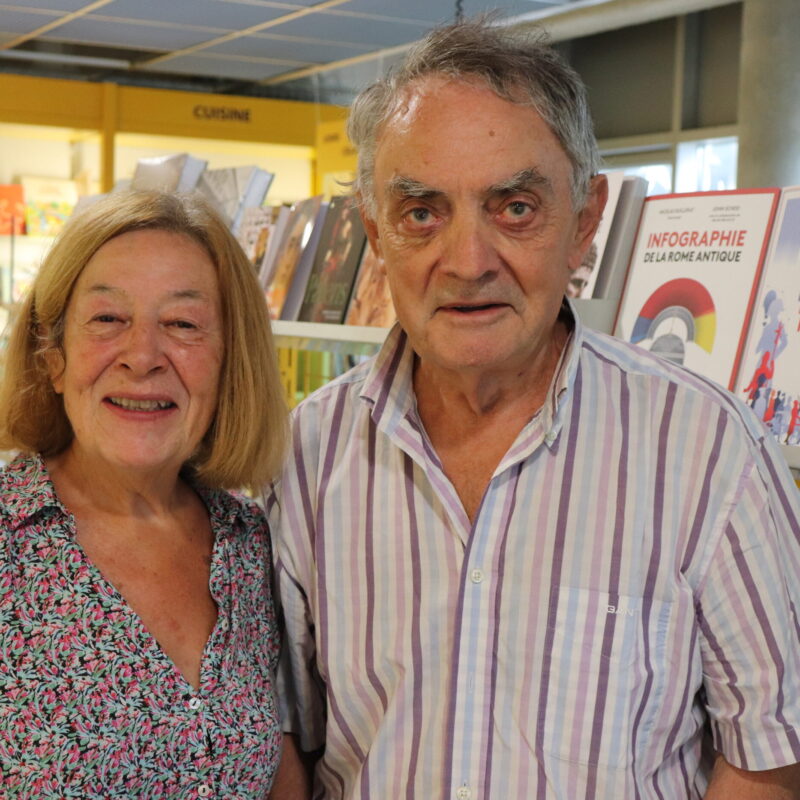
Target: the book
(371, 303)
(12, 209)
(297, 288)
(333, 272)
(253, 233)
(270, 237)
(179, 172)
(621, 234)
(295, 238)
(48, 203)
(769, 375)
(233, 190)
(693, 276)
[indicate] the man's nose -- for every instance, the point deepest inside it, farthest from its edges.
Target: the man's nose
(468, 250)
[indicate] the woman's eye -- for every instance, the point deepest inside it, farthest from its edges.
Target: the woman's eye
(184, 324)
(105, 318)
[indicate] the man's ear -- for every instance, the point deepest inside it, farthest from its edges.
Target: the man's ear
(589, 218)
(370, 226)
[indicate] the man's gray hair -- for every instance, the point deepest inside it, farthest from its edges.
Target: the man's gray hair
(517, 65)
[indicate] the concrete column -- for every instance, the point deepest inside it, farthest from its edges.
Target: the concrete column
(769, 94)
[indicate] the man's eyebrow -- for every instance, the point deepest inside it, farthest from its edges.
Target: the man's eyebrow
(525, 179)
(401, 186)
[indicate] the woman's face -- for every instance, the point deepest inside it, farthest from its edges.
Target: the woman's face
(143, 350)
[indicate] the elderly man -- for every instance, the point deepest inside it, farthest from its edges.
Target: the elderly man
(518, 558)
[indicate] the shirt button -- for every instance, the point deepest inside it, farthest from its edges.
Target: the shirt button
(204, 790)
(463, 793)
(550, 436)
(194, 704)
(476, 576)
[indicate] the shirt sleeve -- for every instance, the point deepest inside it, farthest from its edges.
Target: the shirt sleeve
(747, 612)
(300, 687)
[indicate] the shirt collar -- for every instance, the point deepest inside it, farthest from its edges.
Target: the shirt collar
(27, 489)
(389, 383)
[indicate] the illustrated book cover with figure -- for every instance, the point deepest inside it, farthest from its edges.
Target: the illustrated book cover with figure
(769, 373)
(371, 303)
(330, 283)
(48, 203)
(297, 288)
(295, 238)
(693, 277)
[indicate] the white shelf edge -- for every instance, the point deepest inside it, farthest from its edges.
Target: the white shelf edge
(354, 339)
(791, 452)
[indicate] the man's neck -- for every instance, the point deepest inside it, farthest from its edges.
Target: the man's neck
(475, 394)
(472, 419)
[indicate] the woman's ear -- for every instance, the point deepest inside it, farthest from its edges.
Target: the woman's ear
(53, 359)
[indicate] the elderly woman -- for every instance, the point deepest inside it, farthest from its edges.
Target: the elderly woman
(137, 635)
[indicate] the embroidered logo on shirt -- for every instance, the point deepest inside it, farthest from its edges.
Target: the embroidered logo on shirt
(620, 611)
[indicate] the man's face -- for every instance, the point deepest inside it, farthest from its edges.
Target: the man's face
(475, 225)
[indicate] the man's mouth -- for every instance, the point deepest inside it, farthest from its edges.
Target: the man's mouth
(473, 308)
(129, 404)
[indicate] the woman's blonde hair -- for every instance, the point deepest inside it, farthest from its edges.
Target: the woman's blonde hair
(245, 444)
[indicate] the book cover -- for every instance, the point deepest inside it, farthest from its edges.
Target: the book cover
(267, 247)
(692, 279)
(178, 172)
(297, 288)
(12, 209)
(371, 303)
(48, 204)
(299, 227)
(253, 233)
(619, 243)
(769, 375)
(233, 190)
(333, 272)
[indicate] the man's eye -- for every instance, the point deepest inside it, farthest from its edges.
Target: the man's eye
(420, 214)
(517, 209)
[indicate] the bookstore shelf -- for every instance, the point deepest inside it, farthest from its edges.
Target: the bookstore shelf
(328, 337)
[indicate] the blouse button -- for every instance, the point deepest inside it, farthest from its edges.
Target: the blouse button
(204, 790)
(194, 704)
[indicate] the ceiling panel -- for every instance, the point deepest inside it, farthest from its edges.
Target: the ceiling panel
(137, 35)
(344, 28)
(49, 5)
(16, 22)
(225, 53)
(200, 64)
(293, 48)
(205, 13)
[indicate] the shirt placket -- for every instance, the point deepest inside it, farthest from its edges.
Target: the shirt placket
(472, 677)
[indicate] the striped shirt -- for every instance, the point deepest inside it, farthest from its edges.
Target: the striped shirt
(626, 598)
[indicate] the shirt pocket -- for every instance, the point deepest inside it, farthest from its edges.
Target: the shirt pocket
(605, 675)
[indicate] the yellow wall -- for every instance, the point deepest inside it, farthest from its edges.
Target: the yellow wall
(109, 109)
(336, 157)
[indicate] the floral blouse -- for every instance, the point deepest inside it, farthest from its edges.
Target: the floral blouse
(90, 706)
